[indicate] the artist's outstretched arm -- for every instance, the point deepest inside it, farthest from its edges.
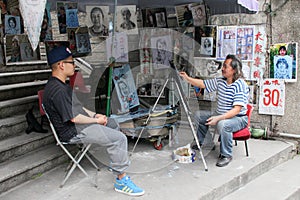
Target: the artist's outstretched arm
(193, 81)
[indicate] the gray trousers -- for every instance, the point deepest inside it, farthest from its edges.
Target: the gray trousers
(110, 137)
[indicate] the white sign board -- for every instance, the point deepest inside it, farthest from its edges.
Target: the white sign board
(272, 97)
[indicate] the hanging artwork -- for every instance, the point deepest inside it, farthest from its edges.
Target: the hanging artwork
(272, 97)
(72, 18)
(184, 15)
(18, 50)
(161, 51)
(127, 19)
(199, 15)
(235, 40)
(283, 61)
(82, 42)
(125, 86)
(117, 47)
(64, 8)
(97, 20)
(205, 38)
(155, 17)
(12, 25)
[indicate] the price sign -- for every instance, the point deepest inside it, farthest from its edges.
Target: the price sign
(272, 97)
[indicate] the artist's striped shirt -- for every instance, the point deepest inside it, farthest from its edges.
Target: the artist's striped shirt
(228, 96)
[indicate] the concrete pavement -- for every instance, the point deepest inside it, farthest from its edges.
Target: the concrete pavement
(163, 178)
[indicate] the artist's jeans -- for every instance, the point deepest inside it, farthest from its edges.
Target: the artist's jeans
(224, 127)
(110, 137)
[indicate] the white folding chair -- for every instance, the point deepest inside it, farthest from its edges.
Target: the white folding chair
(75, 160)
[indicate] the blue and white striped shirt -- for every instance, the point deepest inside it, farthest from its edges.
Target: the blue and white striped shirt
(228, 96)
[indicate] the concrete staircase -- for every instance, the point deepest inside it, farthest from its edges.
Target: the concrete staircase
(23, 156)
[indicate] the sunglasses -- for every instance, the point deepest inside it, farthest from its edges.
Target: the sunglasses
(70, 62)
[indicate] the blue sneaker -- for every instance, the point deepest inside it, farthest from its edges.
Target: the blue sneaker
(126, 186)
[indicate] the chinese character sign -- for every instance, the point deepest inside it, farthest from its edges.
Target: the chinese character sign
(260, 43)
(272, 97)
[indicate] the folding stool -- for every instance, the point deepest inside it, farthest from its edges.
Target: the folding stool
(75, 160)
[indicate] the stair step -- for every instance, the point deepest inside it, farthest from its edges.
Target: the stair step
(29, 166)
(281, 182)
(19, 105)
(12, 126)
(19, 90)
(22, 144)
(15, 125)
(24, 76)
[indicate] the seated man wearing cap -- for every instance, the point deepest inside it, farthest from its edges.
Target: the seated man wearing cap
(72, 121)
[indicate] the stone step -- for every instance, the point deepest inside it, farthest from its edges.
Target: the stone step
(15, 125)
(19, 90)
(16, 106)
(30, 166)
(281, 182)
(22, 144)
(24, 76)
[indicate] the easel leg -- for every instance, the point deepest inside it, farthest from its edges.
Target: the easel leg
(191, 124)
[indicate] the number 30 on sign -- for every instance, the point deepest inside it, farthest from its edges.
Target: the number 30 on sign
(272, 97)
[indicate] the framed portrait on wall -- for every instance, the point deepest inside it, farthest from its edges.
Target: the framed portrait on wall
(72, 18)
(205, 41)
(18, 50)
(82, 40)
(155, 17)
(12, 25)
(283, 61)
(199, 15)
(62, 8)
(127, 19)
(97, 20)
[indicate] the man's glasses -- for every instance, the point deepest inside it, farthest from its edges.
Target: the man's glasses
(70, 62)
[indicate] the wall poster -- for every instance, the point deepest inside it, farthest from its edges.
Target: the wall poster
(283, 61)
(237, 40)
(272, 97)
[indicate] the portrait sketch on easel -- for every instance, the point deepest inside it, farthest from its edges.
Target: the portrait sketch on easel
(125, 88)
(283, 61)
(97, 20)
